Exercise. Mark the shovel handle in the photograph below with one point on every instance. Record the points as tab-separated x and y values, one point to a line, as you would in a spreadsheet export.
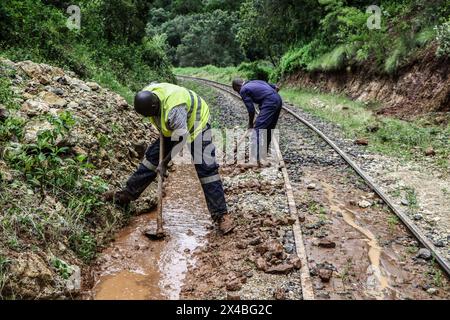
159	220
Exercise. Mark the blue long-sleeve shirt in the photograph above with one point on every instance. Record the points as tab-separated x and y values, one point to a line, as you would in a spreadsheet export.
256	91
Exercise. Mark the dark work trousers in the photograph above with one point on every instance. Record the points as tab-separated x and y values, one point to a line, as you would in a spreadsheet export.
265	123
205	165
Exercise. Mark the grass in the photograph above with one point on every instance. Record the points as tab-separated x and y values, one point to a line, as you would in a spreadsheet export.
411	197
412	249
393	137
393	221
222	75
4	263
63	269
334	60
436	275
53	196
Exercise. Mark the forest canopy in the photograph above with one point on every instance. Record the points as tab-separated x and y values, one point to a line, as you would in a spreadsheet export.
135	40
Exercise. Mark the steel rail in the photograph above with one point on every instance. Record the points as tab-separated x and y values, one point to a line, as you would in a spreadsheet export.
402	216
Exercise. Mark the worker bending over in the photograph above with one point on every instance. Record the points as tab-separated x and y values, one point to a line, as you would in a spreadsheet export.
182	117
270	103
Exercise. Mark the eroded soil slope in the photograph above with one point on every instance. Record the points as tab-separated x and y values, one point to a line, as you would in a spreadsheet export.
63	142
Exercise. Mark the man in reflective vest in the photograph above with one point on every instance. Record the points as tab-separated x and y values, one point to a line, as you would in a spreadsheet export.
182	117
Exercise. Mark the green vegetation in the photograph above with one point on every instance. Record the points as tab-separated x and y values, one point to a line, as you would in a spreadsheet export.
54	172
222	75
393	221
342	38
436	275
47	192
386	135
62	268
443	38
198	38
124	44
111	46
4	262
310	36
411	197
255	70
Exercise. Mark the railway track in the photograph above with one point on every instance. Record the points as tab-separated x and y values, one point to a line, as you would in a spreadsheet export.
289	109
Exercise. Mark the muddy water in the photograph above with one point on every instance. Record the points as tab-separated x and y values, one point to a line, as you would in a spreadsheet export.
135	268
380	283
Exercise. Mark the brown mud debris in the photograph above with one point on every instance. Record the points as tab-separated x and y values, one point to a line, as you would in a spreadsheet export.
325	274
252	260
362	142
327	244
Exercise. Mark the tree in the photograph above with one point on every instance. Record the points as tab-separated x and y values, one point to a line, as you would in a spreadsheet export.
211	41
269	27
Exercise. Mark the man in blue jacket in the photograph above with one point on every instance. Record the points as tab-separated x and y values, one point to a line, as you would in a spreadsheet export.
266	96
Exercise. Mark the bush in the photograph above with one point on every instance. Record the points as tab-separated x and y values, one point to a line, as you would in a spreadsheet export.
343	39
443	38
200	39
255	70
104	49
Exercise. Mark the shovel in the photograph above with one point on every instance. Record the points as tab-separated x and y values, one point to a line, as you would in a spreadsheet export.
158	232
239	144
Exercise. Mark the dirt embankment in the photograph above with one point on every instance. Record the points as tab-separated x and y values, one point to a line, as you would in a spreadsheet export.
52	221
421	87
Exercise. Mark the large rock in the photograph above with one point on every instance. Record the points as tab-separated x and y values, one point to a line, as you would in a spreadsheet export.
284	268
34	108
34	128
93	85
52	99
424	254
32	277
3	113
73	284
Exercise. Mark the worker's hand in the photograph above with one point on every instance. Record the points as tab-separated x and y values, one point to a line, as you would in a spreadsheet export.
162	170
277	88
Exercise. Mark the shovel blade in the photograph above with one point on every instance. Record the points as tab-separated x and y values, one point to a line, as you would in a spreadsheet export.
154	233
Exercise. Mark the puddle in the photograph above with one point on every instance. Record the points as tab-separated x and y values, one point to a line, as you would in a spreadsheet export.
135	268
376	282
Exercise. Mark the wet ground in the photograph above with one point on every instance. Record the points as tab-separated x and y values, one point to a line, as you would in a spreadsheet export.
135	268
258	261
357	248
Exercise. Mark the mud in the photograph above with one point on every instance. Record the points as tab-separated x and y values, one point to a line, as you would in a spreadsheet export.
357	248
374	255
420	88
258	261
135	268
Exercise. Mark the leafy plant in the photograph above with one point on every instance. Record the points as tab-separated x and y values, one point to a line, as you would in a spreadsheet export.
443	38
84	244
63	269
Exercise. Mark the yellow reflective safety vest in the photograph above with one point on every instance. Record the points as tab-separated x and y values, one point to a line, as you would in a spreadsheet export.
172	96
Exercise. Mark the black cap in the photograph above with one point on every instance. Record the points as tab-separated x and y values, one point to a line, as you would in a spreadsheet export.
147	103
